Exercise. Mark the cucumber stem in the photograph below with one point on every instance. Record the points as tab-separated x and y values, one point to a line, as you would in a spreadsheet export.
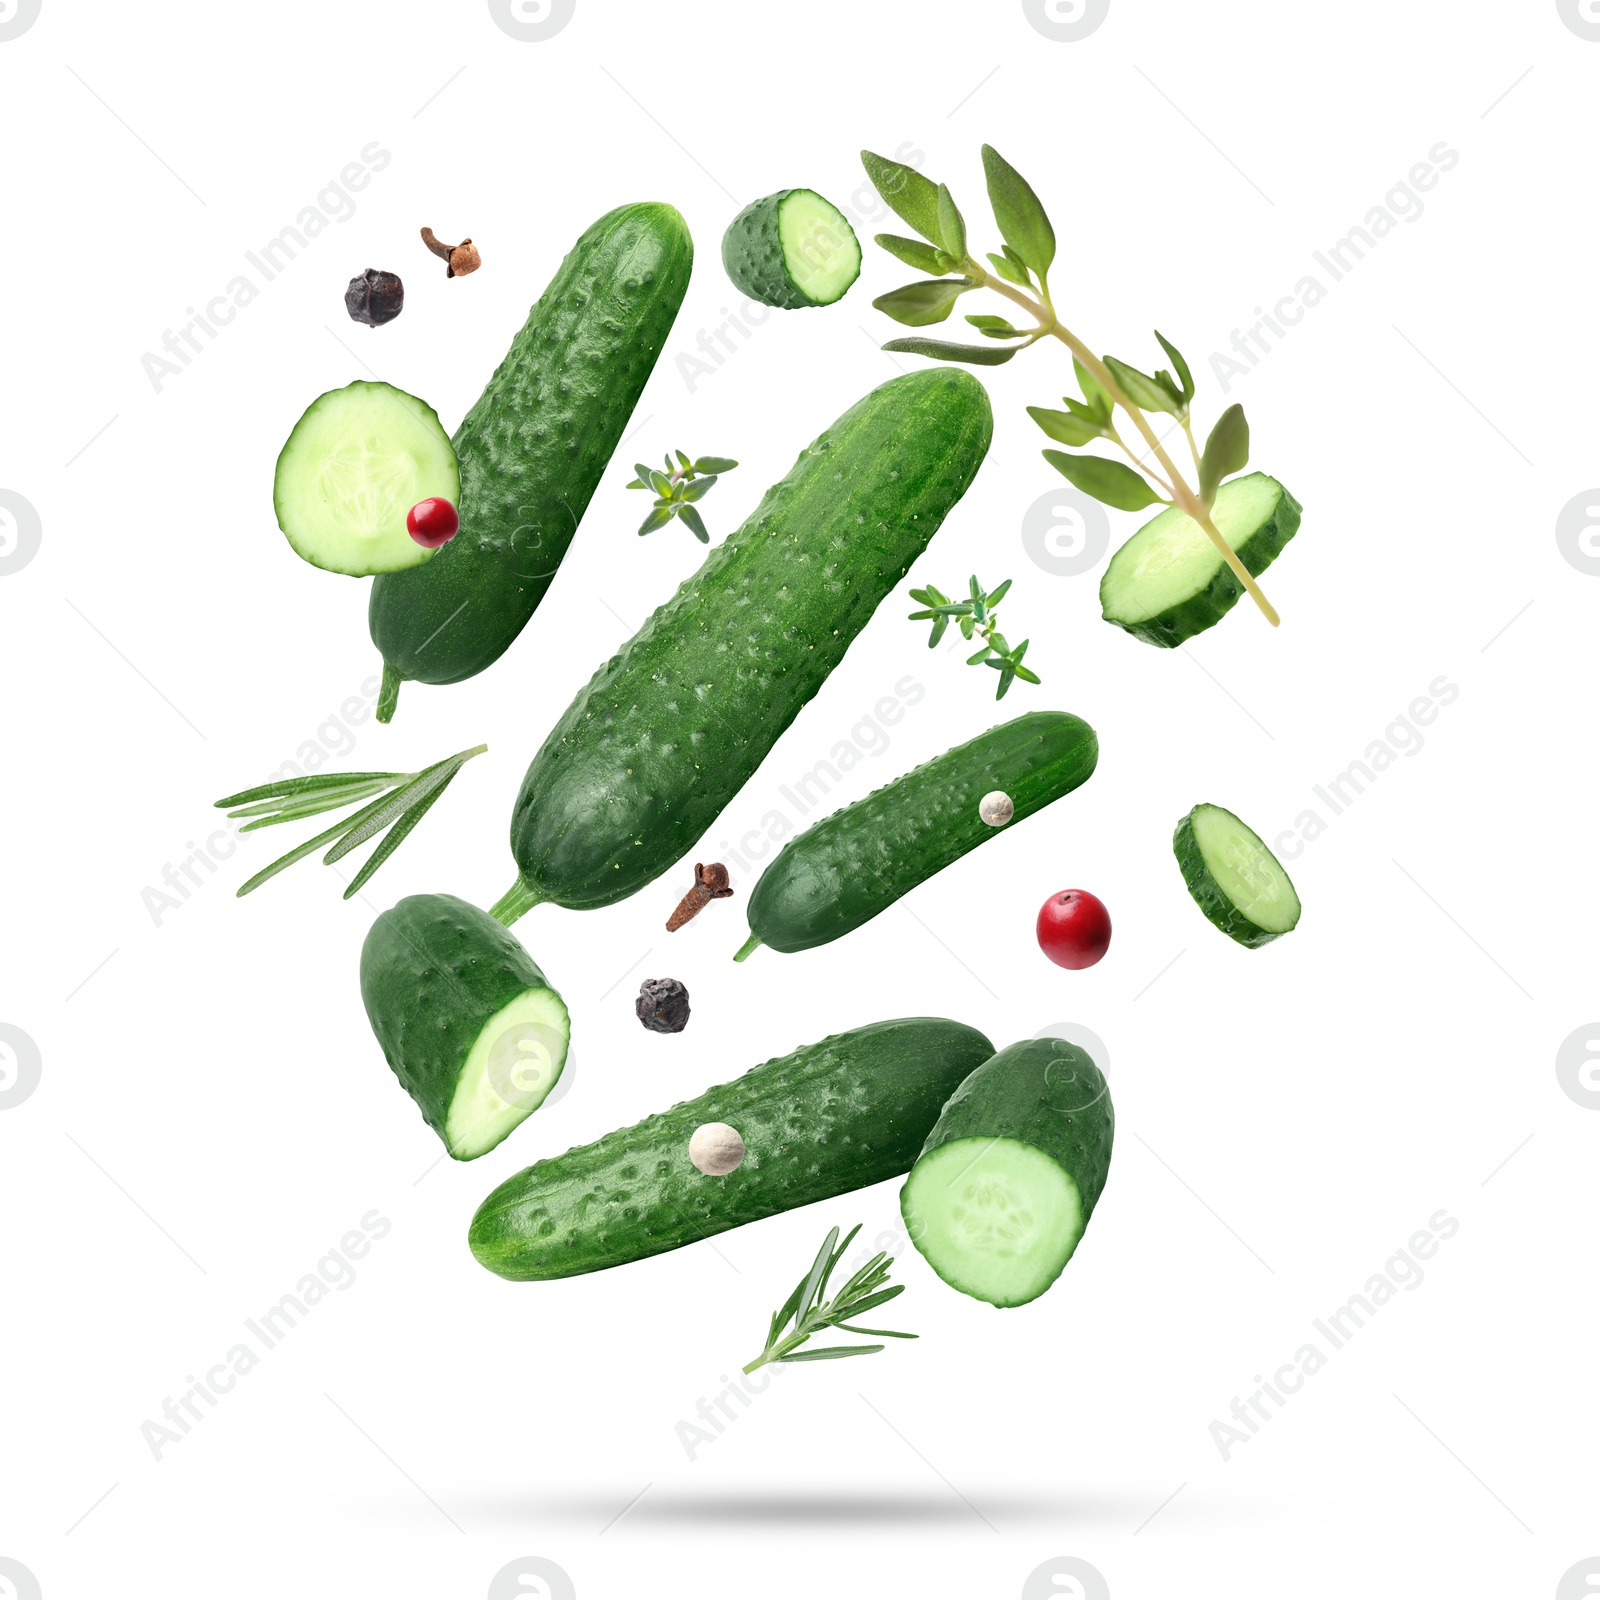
389	693
750	944
516	900
1188	501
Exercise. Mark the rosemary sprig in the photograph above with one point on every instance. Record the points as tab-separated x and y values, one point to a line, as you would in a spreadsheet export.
810	1314
403	800
678	488
976	614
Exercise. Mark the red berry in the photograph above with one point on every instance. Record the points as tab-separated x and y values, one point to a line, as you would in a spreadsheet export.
1074	929
432	523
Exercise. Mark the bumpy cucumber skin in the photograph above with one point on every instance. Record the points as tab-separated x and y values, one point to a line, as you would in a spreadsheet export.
752	255
1169	628
534	446
826	1119
433	971
668	731
1219	910
1025	1092
844	870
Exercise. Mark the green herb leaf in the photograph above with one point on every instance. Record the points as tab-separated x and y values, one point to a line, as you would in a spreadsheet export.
924	257
690	518
287	787
876	1333
1010	272
818	1273
662	484
833	1352
973	355
1065	428
918	304
906	192
716	464
1143	390
1107	481
425	783
299	853
1180	366
988	323
952	226
998	595
1093	391
1227	451
1018	213
683	460
311	805
698	489
392	841
659	517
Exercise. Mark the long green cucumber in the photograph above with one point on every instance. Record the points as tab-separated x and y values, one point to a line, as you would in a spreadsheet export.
667	731
1004	1186
821	1121
844	870
533	447
468	1023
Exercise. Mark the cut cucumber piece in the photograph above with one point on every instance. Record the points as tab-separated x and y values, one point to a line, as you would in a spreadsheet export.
1234	878
468	1023
356	463
1168	583
1007	1180
792	249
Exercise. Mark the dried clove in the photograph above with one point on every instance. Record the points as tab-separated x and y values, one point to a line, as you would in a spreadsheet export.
663	1005
710	883
460	258
375	297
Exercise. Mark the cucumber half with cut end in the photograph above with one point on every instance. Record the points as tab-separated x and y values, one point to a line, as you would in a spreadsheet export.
470	1026
1167	583
1234	878
1011	1172
358	460
792	249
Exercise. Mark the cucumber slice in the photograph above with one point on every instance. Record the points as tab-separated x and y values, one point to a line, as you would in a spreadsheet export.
1167	583
1007	1180
792	249
356	463
467	1022
1235	880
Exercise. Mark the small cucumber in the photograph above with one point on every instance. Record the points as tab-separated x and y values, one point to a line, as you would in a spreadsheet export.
533	448
1011	1172
844	870
357	461
1235	879
1167	583
831	1117
470	1026
667	731
792	249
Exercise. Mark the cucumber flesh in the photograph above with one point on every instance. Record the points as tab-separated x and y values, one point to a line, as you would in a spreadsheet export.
357	461
792	249
998	1218
513	1064
1168	583
1234	878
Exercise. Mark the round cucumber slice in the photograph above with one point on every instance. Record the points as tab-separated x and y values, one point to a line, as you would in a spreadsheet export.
792	249
995	1218
1234	878
356	463
513	1065
1167	583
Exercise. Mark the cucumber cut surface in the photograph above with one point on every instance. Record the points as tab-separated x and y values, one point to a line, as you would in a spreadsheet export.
357	461
792	249
513	1065
998	1218
1234	878
1168	583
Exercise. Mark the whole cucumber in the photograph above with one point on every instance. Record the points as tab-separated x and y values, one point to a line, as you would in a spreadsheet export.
532	450
844	870
667	732
831	1117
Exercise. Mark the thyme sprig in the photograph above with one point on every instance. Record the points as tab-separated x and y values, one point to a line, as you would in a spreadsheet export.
403	799
805	1312
678	488
976	615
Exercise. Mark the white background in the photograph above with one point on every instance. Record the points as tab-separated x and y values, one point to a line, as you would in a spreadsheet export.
213	1114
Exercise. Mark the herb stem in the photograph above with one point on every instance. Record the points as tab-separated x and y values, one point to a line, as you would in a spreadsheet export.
1182	494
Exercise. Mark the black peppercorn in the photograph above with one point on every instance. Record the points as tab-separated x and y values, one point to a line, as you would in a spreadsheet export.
663	1005
375	297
